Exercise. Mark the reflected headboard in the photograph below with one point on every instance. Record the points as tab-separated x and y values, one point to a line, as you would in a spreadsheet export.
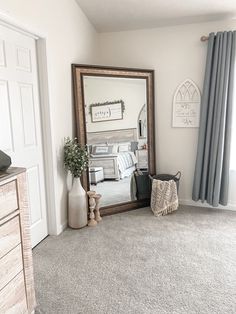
112	136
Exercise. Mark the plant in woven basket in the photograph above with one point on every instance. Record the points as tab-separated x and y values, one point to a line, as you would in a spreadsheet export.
75	157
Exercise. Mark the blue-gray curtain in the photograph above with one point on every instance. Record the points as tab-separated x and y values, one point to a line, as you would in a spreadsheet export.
211	178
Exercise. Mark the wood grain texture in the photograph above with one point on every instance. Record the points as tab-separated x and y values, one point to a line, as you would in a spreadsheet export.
12	297
142	157
16	270
9	173
112	136
9	236
26	241
9	217
10	266
124	207
78	72
109	165
8	198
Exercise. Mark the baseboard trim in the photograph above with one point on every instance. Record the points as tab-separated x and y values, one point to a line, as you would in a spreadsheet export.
188	202
62	227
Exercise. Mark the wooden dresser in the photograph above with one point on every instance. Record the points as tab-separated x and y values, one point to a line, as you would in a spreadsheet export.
17	294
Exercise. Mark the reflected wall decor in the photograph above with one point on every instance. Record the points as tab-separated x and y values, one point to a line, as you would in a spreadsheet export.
107	111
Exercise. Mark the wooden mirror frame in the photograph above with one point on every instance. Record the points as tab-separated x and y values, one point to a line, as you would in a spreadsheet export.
80	70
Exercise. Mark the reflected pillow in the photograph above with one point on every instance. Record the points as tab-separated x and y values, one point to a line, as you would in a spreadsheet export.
124	147
114	147
102	150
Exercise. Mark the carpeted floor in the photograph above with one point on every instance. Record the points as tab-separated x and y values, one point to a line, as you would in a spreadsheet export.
113	191
183	263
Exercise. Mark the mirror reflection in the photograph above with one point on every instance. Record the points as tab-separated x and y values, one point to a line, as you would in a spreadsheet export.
116	126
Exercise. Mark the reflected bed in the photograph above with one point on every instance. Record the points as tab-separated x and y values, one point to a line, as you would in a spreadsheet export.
115	166
113	151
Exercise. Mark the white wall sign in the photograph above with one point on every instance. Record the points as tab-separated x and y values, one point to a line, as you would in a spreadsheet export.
186	105
107	111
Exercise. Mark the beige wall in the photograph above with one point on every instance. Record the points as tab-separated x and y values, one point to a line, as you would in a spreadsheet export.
70	38
131	91
175	53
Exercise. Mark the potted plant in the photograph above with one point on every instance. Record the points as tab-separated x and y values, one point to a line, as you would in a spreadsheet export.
76	162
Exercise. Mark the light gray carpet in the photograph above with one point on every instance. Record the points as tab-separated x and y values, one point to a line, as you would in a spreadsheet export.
183	263
113	191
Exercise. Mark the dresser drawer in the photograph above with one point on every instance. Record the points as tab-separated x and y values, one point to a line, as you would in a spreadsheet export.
8	198
12	297
10	266
9	236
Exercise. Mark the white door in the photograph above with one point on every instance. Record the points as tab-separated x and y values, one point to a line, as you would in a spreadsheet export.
20	123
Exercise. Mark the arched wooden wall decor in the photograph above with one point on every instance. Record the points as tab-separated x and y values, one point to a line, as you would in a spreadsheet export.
186	105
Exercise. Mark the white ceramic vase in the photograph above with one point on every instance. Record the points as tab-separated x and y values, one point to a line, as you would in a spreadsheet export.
77	201
69	180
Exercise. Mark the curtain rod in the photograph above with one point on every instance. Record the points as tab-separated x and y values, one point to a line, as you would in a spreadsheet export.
204	38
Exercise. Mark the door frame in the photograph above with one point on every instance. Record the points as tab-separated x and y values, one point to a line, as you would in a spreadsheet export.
45	115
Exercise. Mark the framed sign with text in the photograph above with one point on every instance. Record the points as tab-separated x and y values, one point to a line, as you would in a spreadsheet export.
186	105
107	111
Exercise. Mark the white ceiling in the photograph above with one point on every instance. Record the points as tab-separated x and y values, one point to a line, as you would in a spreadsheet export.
118	15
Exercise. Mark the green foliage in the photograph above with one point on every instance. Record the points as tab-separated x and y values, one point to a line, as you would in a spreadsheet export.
75	157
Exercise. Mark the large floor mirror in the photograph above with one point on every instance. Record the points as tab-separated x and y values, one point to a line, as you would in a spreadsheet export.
115	117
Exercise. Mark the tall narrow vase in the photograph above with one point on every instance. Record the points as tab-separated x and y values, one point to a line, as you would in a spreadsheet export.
77	211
